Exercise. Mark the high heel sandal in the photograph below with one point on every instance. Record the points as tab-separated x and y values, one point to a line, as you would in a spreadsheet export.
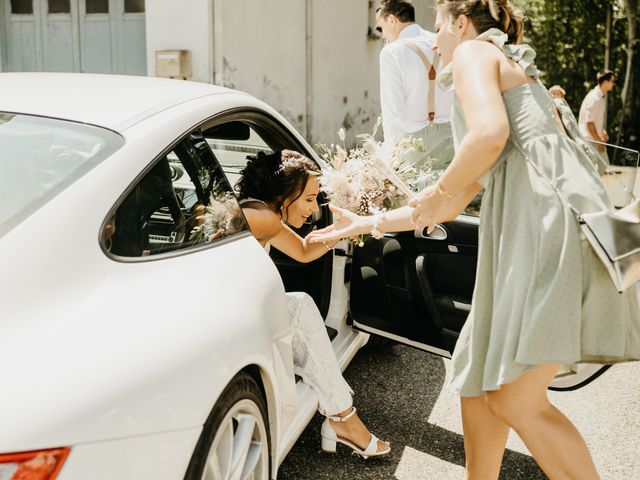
330	439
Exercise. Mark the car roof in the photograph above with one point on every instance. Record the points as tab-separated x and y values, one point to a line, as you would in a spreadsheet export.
111	101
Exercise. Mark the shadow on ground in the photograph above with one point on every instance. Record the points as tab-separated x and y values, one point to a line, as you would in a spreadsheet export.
395	391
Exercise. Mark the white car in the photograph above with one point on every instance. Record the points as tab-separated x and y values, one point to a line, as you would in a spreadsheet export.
144	332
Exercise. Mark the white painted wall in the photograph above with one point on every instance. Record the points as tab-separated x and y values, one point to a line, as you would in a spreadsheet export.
183	25
260	47
345	70
425	13
264	53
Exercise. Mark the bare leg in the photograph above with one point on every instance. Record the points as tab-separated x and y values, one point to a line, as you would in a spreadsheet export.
552	439
485	437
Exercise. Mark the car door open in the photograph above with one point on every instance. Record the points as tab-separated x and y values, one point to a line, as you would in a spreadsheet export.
416	289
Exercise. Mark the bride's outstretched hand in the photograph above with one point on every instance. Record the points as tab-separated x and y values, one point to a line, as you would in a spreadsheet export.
345	224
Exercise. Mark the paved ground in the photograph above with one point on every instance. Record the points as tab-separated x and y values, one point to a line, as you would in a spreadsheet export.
399	393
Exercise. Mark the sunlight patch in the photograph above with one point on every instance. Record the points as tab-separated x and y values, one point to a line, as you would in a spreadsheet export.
417	465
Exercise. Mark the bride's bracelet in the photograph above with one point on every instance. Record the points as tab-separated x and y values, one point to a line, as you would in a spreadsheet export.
375	231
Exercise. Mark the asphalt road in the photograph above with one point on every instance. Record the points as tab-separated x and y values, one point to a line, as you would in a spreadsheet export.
400	396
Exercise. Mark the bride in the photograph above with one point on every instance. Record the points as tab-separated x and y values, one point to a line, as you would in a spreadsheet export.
277	190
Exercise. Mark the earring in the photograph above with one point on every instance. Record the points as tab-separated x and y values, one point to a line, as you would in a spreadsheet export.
282	219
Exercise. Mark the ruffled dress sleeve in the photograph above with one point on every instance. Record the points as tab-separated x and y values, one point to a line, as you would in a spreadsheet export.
522	54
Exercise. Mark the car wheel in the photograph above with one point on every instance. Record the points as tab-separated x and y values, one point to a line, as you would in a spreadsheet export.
235	438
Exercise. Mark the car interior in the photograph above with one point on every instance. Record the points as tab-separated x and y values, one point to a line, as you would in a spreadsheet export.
178	203
186	199
244	134
416	287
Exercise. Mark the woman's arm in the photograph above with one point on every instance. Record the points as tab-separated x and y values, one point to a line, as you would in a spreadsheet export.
476	75
266	226
298	248
348	224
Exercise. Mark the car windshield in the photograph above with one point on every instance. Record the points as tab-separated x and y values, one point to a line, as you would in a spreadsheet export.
40	157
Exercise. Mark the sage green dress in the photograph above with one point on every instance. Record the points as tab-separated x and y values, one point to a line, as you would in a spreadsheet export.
541	295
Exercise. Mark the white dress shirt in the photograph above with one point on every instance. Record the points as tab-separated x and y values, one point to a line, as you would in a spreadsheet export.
404	87
592	110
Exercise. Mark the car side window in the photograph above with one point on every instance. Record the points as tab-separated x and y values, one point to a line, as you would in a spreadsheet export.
243	135
231	143
183	201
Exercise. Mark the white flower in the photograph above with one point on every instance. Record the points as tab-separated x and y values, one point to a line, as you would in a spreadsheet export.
369	178
341	156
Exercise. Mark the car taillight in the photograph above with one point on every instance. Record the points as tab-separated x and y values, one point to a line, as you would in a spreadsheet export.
37	465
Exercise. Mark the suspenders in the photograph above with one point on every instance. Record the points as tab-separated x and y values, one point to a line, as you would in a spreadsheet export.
431	72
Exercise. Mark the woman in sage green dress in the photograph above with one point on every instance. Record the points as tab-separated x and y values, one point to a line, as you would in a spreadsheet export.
542	298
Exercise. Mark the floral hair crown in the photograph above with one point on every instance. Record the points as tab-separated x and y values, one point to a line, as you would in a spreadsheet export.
290	160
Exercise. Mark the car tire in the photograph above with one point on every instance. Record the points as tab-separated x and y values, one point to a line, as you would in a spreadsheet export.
235	438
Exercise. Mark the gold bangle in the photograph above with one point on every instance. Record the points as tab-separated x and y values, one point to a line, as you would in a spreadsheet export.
442	191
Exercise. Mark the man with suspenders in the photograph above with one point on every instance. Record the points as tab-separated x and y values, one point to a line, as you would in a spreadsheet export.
412	104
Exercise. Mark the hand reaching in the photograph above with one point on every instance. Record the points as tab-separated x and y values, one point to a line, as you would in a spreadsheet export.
346	224
430	208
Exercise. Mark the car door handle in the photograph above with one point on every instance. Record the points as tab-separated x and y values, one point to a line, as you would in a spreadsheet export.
438	233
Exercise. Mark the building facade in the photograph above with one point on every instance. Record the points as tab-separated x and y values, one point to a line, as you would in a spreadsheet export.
315	61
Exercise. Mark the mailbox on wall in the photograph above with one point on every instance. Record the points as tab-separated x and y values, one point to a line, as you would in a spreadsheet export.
173	63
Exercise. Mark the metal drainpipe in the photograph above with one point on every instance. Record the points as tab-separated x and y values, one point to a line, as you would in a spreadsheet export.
309	69
4	35
217	52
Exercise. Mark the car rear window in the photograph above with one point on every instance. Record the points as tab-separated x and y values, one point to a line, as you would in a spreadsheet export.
40	157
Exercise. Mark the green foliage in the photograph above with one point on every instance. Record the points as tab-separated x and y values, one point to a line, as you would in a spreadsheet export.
569	38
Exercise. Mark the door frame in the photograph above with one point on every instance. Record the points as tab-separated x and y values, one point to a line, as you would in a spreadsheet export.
420	235
405	341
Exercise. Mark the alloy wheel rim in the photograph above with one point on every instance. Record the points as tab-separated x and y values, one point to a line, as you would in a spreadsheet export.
240	449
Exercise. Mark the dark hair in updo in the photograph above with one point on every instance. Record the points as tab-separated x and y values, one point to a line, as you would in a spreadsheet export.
274	177
486	14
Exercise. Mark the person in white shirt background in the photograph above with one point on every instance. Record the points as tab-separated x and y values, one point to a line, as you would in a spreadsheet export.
412	104
570	124
591	120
